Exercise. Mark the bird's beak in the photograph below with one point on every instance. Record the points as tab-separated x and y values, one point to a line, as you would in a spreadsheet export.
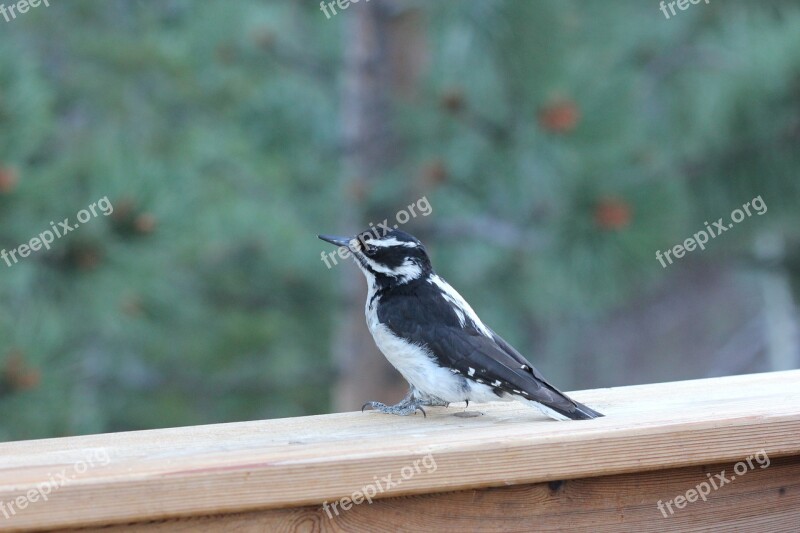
338	241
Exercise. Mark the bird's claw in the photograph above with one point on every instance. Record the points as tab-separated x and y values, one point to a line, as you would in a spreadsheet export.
402	408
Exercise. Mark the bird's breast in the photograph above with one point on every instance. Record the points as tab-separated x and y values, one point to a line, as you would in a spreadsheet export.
416	363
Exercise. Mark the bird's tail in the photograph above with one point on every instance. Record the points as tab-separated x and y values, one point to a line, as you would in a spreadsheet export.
583	412
565	410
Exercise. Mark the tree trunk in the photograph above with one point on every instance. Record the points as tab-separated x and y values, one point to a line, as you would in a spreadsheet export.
364	374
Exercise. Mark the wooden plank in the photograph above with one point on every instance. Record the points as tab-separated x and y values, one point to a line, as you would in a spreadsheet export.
304	461
765	499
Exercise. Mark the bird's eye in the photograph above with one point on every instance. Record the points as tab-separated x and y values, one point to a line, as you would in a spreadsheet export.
364	242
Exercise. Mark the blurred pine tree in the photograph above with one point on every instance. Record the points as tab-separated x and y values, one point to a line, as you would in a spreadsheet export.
560	143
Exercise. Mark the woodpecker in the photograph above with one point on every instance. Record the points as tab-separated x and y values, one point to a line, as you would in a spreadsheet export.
431	335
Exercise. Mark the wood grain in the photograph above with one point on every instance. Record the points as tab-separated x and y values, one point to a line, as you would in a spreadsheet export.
763	500
230	468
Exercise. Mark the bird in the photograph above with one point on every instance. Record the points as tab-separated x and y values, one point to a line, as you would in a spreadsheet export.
432	336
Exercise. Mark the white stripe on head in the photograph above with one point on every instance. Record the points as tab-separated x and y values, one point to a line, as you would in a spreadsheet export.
385	243
408	271
357	243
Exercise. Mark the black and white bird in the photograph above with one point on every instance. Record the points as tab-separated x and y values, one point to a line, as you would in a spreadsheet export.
431	335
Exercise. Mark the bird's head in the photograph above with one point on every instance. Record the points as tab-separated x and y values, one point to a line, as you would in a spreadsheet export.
392	258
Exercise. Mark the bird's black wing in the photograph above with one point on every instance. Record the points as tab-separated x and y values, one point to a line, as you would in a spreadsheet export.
430	321
503	370
527	367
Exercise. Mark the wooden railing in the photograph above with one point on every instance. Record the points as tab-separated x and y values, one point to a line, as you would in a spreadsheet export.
644	467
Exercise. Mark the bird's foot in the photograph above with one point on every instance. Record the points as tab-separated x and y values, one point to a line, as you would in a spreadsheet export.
403	408
432	401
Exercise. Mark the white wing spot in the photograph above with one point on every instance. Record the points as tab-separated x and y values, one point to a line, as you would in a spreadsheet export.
455	371
460	314
471	371
496	383
452	296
